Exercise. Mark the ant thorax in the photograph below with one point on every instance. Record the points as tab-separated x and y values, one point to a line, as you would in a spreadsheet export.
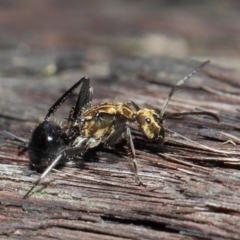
101	120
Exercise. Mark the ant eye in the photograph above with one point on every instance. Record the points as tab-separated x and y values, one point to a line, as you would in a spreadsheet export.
148	120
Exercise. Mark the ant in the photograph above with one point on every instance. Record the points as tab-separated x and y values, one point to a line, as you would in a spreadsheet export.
88	126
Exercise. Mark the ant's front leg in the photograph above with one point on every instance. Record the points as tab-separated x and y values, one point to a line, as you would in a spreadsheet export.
112	139
133	157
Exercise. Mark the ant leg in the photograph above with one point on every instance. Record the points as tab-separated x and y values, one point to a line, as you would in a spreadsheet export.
84	101
23	147
89	100
133	157
93	142
67	152
84	97
83	146
63	98
116	134
49	168
15	137
133	105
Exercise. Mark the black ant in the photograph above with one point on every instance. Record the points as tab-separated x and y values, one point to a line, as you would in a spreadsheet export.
89	126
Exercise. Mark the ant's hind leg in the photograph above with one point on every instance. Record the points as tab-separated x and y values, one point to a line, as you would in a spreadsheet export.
49	168
64	97
89	99
84	97
84	101
66	153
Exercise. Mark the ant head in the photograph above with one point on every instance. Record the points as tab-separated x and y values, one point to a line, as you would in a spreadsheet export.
150	125
47	141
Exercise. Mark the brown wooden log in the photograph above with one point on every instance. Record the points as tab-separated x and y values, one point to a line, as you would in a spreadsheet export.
193	186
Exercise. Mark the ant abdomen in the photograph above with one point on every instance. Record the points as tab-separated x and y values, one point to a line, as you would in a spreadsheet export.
47	141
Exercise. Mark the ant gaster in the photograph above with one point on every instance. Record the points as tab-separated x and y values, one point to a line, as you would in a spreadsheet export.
88	126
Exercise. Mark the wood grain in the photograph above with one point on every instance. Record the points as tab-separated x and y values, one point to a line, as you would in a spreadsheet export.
193	186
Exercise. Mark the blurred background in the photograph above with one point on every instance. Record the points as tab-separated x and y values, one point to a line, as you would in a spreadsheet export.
105	30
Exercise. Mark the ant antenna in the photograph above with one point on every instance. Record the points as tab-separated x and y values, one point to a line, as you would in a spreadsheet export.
175	88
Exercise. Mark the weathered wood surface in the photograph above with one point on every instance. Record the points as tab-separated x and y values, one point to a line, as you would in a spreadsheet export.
193	190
